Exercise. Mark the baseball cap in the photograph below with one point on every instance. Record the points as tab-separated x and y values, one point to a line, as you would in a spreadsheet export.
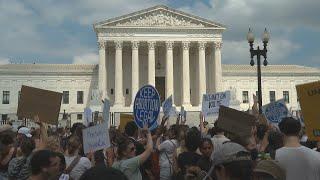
230	152
272	168
25	131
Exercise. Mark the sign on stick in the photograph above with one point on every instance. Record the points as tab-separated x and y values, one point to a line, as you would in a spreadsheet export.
46	104
275	111
309	99
167	106
146	107
95	138
212	102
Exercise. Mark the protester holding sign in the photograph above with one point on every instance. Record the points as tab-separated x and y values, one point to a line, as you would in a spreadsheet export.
128	162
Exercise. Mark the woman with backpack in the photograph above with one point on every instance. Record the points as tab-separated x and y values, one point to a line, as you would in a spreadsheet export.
167	150
76	165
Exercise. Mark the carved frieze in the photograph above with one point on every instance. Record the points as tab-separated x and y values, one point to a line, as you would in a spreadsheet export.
160	19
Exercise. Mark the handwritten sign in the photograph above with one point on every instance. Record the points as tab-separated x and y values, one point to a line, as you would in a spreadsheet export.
275	111
95	138
167	106
212	102
87	116
309	99
34	101
146	106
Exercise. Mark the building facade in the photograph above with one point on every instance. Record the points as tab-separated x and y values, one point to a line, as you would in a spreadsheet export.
178	53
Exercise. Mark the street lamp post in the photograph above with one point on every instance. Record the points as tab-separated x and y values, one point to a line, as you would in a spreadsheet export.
259	52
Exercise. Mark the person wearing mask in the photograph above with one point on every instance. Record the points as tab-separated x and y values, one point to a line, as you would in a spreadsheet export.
128	162
299	161
167	151
76	165
206	149
44	165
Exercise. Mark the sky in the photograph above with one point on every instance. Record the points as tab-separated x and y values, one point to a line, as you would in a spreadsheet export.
61	31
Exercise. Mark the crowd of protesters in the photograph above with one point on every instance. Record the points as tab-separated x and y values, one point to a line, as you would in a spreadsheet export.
168	152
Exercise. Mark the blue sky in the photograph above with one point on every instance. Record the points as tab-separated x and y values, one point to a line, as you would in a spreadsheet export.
60	31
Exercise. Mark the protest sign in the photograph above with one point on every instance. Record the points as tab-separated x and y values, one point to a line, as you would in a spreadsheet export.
235	122
212	102
167	106
46	104
146	106
95	138
124	119
275	111
87	116
106	111
309	99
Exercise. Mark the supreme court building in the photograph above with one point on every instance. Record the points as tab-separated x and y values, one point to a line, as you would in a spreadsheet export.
178	53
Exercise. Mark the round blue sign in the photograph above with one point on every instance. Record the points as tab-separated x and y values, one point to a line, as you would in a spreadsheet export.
275	112
146	107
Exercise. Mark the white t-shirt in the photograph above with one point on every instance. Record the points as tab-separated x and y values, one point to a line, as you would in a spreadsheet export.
83	165
299	163
167	149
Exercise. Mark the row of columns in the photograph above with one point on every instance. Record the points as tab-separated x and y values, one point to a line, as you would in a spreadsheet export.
151	70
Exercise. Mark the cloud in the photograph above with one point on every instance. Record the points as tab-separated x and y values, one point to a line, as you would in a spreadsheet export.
4	60
89	58
237	52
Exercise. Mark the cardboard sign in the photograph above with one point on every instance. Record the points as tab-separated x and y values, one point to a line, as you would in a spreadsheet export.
275	111
95	138
124	119
212	102
87	116
236	122
106	111
167	107
146	106
309	99
46	104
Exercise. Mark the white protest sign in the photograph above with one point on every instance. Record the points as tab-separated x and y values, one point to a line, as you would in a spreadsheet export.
95	138
275	111
106	111
87	116
167	106
211	102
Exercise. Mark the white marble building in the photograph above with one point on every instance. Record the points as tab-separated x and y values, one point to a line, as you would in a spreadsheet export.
177	52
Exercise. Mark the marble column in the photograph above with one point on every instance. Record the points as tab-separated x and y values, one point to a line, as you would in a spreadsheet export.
202	70
135	70
169	69
151	63
185	75
118	100
217	67
102	69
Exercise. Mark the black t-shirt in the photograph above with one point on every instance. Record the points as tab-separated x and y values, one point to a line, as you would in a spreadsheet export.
204	163
186	159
